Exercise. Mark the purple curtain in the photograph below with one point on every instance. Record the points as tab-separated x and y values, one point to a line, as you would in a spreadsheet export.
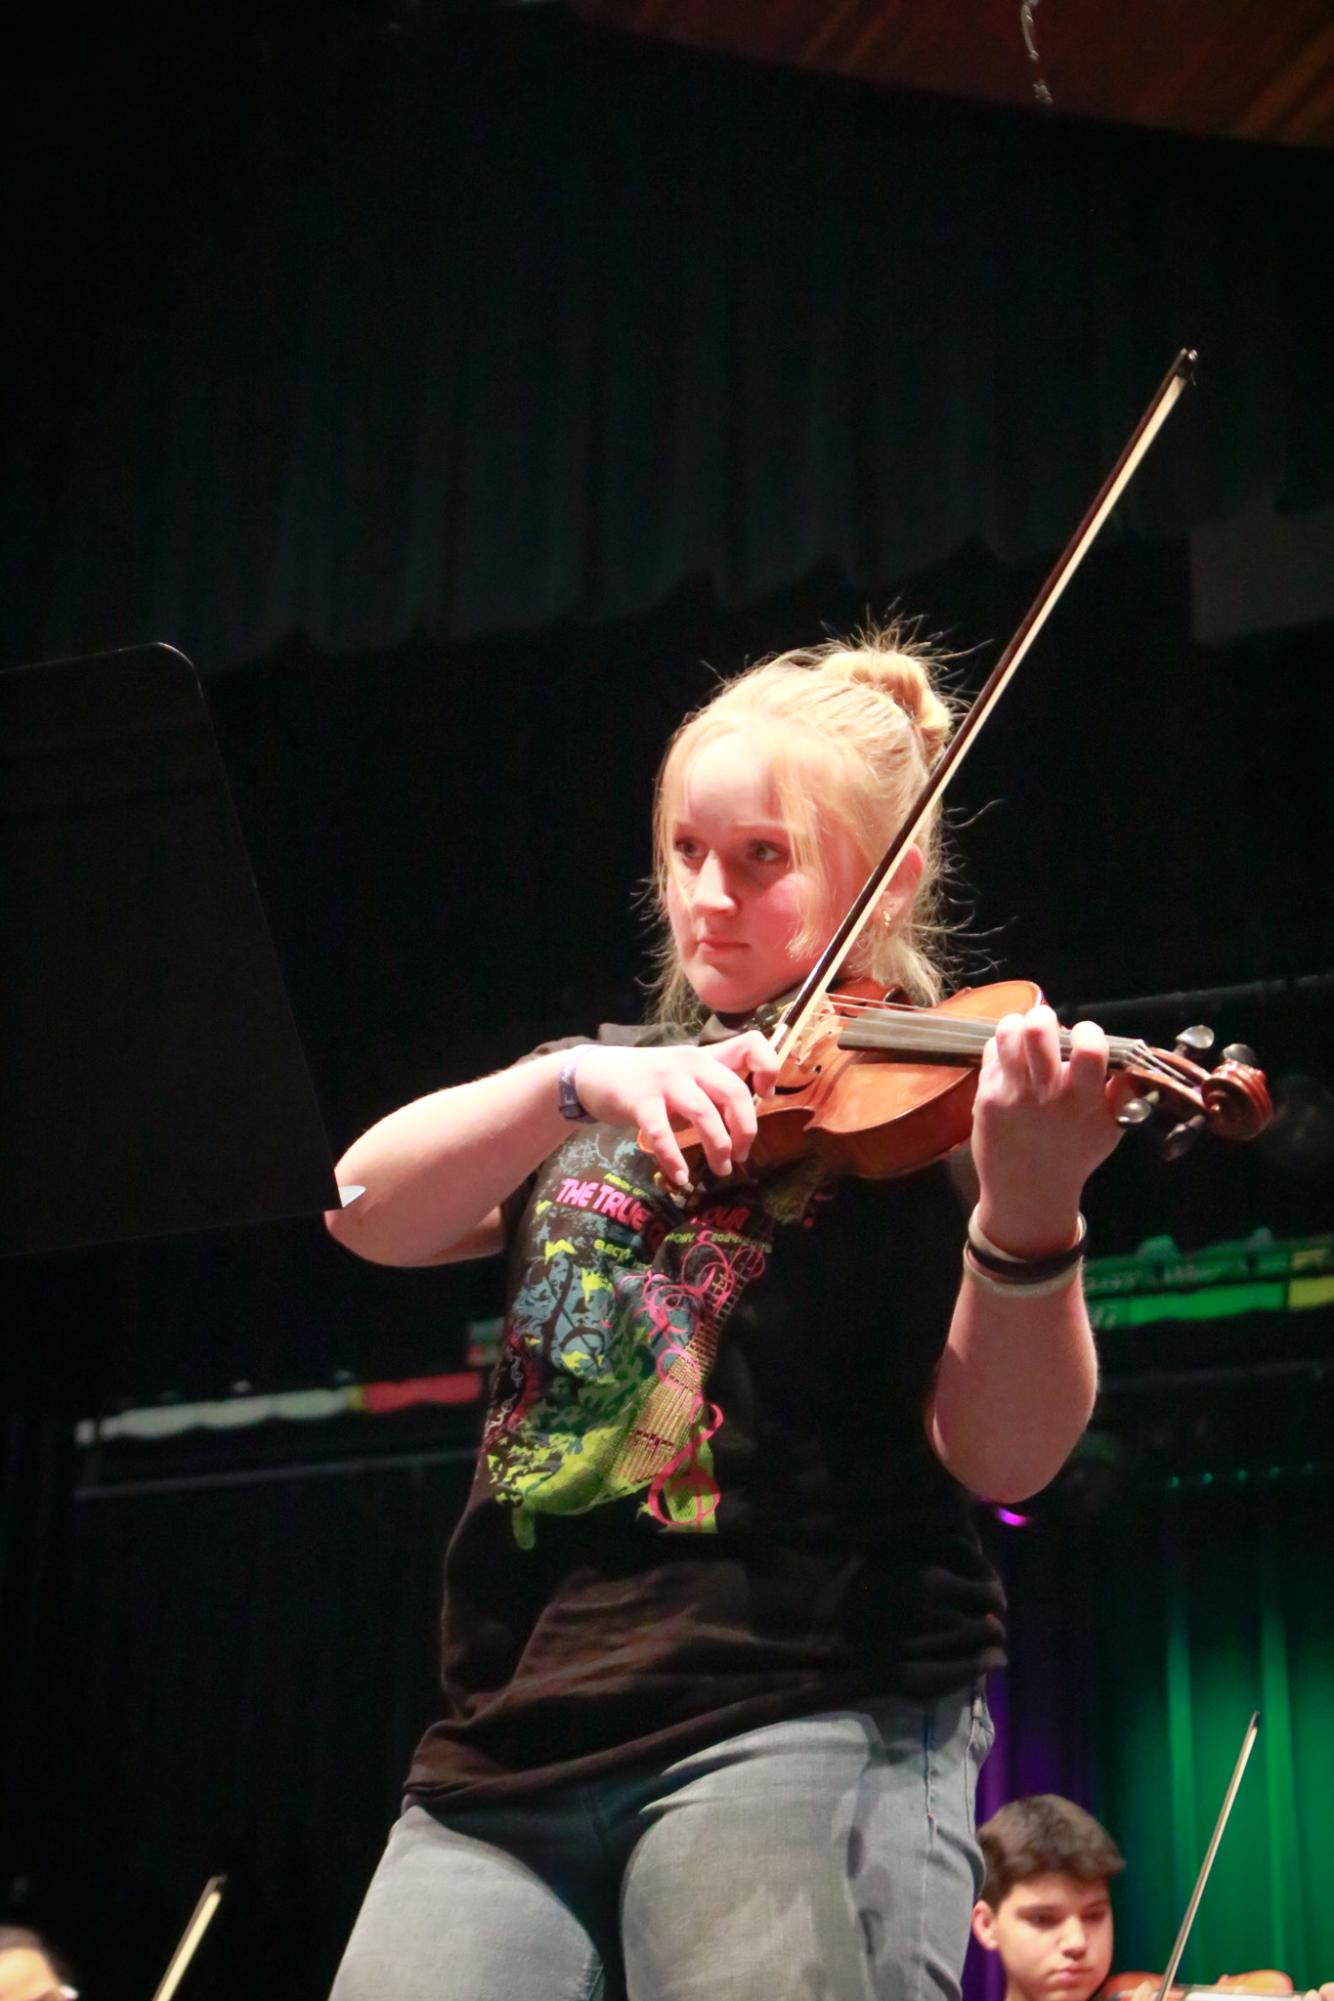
1040	1702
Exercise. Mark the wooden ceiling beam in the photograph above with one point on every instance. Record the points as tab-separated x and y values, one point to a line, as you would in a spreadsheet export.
1254	69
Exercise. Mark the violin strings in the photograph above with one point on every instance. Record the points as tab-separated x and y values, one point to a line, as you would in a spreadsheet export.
905	1029
968	1036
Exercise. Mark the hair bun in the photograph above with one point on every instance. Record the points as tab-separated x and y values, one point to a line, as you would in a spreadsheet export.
879	661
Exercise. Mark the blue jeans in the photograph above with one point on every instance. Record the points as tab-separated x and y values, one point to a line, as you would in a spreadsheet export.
831	1858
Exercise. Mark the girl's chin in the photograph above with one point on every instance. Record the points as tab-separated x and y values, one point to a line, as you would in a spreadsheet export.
723	994
736	995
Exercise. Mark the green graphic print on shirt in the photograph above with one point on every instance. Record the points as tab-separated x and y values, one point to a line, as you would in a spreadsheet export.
601	1390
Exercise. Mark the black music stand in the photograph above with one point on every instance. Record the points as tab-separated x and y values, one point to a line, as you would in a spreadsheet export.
151	1077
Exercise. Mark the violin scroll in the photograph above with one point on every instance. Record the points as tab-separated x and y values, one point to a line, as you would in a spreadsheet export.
1231	1101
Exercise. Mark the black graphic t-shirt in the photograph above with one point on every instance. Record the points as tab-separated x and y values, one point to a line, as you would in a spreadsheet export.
705	1499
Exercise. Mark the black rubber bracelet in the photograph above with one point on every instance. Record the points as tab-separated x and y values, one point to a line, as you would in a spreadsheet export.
1023	1271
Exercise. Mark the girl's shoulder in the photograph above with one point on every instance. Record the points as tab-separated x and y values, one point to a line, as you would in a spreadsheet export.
618	1034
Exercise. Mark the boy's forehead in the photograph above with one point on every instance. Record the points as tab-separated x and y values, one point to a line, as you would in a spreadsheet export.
1070	1892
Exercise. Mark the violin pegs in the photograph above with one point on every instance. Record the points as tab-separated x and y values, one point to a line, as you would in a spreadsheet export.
1135	1110
1241	1052
1195	1042
1182	1137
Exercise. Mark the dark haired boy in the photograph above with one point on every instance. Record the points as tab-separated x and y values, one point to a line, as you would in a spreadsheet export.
1045	1905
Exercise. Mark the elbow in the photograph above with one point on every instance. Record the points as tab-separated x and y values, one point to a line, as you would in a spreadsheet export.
1009	1486
336	1223
347	1225
1013	1468
1006	1485
1022	1474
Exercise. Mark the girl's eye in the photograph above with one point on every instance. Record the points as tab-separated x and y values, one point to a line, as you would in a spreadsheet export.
685	847
766	851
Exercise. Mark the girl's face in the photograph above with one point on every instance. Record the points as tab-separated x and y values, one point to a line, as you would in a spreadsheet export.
736	899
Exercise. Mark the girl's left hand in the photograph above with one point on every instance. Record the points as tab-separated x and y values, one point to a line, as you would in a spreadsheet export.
1041	1124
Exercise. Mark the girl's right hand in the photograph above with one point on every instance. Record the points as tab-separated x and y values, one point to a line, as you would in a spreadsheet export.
704	1088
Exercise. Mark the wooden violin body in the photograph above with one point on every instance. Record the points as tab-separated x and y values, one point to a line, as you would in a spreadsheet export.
1265	1980
874	1113
875	1089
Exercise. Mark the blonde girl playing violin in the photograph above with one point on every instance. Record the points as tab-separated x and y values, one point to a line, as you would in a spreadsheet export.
716	1618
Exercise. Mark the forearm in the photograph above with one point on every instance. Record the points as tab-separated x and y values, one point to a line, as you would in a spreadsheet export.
435	1171
1014	1390
438	1167
1019	1374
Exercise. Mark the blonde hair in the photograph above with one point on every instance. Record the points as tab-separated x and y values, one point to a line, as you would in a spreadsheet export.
867	713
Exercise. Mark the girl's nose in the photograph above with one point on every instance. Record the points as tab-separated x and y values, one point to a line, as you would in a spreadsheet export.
712	890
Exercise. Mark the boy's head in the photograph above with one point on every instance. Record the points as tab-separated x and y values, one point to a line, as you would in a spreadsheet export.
1044	1905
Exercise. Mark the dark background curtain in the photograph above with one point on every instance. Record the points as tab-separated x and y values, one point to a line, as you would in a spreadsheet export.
358	335
473	399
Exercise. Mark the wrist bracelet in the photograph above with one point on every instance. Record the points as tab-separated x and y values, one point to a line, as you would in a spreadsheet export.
1007	1269
1017	1288
567	1094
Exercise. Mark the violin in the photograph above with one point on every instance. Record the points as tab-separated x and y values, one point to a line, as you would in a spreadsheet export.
877	1089
1264	1980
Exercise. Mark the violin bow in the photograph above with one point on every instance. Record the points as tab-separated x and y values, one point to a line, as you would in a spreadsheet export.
1243	1757
817	981
188	1944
